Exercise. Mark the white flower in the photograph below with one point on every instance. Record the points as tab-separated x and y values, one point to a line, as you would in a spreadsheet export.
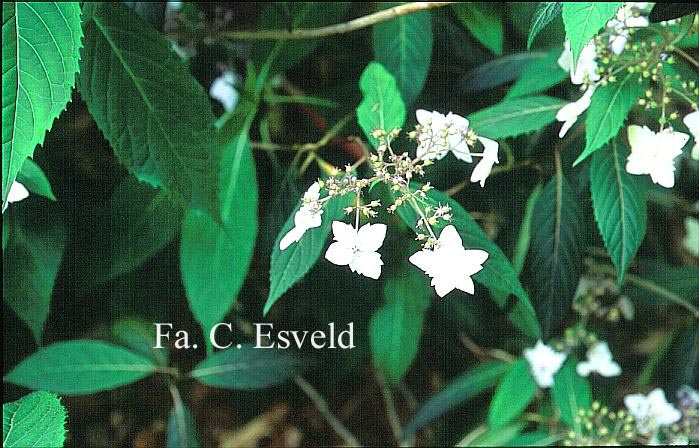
586	66
569	113
628	16
450	265
652	411
357	248
653	153
490	157
692	122
599	359
223	90
439	134
307	217
18	192
544	362
691	239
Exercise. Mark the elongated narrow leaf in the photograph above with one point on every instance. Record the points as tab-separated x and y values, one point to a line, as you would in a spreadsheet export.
618	199
554	253
289	266
516	116
608	110
31	263
36	420
181	428
570	392
80	367
130	78
544	14
404	47
247	367
396	327
583	20
32	177
499	71
139	336
382	106
484	22
538	75
40	52
497	273
455	393
512	396
496	436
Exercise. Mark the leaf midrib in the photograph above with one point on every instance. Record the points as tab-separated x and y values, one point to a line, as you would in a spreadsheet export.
520	113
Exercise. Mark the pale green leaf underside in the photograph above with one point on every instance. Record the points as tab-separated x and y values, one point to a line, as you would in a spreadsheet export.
516	116
36	420
40	52
544	14
583	20
382	106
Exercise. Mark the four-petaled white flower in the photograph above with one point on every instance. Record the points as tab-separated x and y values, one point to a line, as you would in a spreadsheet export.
692	122
569	113
18	192
223	89
450	265
653	153
307	217
628	16
439	134
651	411
544	362
357	248
586	66
599	359
490	157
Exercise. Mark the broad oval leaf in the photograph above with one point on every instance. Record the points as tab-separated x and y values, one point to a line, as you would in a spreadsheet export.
538	75
247	367
129	77
570	393
543	15
382	106
512	396
40	53
404	47
36	420
619	202
139	336
396	327
516	116
583	20
484	22
79	367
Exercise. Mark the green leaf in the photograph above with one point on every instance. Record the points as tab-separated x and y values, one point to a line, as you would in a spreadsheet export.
544	14
656	279
214	258
463	388
32	177
139	336
570	392
525	231
500	436
497	273
608	110
396	327
535	439
79	367
498	71
583	20
516	116
247	367
181	428
538	76
35	420
31	262
484	22
382	106
619	202
40	52
289	266
129	77
512	396
554	253
404	47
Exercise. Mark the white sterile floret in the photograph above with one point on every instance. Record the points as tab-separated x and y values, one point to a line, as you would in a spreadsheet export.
357	248
485	166
599	359
691	238
692	122
307	217
651	411
18	192
223	90
438	134
586	66
653	153
569	113
544	362
450	265
630	15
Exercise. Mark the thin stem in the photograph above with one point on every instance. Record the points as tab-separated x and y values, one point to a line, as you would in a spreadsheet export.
323	408
689	59
485	353
356	219
391	413
180	417
340	28
306	147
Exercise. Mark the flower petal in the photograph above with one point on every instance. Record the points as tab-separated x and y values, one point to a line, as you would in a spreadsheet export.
344	233
450	237
422	259
370	237
367	264
339	254
292	236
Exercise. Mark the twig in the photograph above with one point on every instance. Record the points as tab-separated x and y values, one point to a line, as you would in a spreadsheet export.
340	28
485	353
306	147
689	59
323	408
391	413
180	418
